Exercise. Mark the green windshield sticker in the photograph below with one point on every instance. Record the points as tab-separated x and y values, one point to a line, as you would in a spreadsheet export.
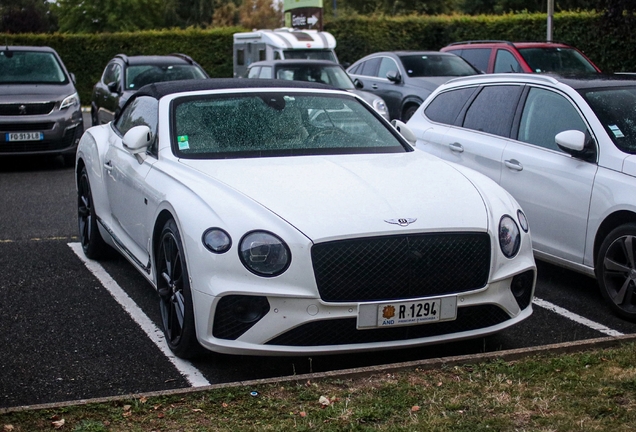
183	142
616	131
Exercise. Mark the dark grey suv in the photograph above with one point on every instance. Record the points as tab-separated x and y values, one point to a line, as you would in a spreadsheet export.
40	110
124	75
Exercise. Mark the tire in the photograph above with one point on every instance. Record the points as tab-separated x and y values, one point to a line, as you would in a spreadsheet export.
175	296
616	270
92	242
408	112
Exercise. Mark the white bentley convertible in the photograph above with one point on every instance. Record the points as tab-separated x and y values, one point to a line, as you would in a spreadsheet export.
290	218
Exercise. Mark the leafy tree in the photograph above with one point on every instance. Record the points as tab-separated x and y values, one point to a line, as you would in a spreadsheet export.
261	14
26	16
94	16
226	14
186	13
399	7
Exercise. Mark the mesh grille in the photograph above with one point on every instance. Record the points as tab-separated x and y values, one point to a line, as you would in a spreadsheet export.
228	322
18	109
344	332
401	267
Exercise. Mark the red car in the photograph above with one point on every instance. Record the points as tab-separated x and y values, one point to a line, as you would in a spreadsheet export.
492	56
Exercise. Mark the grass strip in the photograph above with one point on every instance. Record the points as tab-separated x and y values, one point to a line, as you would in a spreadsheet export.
591	391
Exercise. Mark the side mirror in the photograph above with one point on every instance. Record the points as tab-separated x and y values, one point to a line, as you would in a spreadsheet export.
137	139
572	140
358	84
577	144
404	131
393	76
73	77
113	87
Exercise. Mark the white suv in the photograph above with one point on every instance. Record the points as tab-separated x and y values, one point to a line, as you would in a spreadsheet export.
565	148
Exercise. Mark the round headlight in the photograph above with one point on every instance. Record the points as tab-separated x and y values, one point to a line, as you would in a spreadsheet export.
264	253
522	220
509	236
216	240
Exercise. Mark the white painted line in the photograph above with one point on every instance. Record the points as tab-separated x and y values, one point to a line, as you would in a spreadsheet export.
192	374
576	318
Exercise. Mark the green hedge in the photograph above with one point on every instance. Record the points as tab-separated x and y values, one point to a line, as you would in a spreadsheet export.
611	48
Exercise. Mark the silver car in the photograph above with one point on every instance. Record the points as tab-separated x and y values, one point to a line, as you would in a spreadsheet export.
565	148
40	110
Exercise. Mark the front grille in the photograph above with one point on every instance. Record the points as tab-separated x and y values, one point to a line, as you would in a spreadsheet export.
18	109
40	146
344	331
26	127
401	267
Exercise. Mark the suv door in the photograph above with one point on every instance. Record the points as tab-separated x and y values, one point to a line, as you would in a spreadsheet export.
372	75
108	92
553	188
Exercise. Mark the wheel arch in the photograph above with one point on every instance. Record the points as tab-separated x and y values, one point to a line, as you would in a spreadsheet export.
161	220
611	222
408	103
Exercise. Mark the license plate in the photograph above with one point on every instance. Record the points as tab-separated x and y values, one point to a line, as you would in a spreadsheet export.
24	136
408	313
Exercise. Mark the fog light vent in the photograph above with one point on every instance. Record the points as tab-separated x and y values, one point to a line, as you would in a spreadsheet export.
236	314
521	288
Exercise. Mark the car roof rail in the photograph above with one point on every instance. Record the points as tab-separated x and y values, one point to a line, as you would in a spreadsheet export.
469	42
538	78
124	57
183	56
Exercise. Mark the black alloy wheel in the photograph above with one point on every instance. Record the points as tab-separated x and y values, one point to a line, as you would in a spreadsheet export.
92	242
616	270
175	297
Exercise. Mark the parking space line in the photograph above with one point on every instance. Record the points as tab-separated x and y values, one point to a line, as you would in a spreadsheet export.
190	373
576	318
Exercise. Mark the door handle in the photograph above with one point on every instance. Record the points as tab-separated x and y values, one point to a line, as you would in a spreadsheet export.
374	86
108	166
513	164
456	147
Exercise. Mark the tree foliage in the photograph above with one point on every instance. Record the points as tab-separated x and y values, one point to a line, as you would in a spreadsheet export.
26	16
261	14
97	16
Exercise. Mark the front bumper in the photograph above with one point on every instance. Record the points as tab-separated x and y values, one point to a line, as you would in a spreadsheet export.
61	132
295	326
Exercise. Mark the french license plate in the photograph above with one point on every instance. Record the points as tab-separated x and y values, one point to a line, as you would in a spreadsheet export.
408	313
24	136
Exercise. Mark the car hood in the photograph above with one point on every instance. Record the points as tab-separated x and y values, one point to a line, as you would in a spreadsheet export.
330	197
21	93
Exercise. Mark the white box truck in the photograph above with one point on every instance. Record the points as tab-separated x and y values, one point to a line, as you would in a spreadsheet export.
282	43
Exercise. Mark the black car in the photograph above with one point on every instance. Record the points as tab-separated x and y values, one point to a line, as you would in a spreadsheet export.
320	71
124	75
405	78
40	110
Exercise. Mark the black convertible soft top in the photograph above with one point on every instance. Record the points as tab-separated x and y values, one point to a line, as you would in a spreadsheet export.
161	89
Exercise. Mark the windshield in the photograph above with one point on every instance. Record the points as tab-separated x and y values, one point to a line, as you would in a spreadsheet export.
30	67
556	60
430	65
310	54
616	109
277	124
333	75
139	76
